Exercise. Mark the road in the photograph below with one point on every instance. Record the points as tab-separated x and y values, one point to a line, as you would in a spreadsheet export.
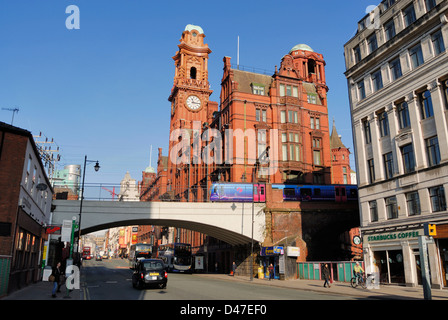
111	280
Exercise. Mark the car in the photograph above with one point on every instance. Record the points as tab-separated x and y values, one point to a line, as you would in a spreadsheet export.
89	257
150	272
105	256
98	258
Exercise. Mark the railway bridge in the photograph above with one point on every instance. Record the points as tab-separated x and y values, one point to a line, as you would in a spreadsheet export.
230	221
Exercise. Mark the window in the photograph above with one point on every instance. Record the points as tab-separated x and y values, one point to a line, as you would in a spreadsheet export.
292	117
261	143
426	105
403	115
285	152
316	157
193	73
295	91
395	69
389	29
430	4
409	15
445	92
317	145
361	90
373	211
357	54
388	165
260	115
312	98
377	80
283	116
407	153
315	123
387	4
391	207
371	169
432	151
372	43
288	91
367	135
257	89
437	42
384	124
413	203
437	195
416	56
282	90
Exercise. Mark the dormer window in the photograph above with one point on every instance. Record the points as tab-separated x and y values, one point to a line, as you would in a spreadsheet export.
257	89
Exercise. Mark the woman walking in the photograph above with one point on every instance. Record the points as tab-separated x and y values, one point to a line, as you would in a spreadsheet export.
326	276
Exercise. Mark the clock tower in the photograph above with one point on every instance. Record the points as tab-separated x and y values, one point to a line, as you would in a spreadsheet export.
191	112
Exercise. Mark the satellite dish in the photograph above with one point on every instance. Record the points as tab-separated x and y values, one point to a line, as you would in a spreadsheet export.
41	187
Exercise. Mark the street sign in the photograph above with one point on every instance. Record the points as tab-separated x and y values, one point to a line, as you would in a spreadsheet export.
430	230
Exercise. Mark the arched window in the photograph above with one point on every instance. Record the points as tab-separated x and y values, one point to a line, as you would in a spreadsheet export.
193	73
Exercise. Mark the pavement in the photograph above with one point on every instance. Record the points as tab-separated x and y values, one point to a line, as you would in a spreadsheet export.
42	290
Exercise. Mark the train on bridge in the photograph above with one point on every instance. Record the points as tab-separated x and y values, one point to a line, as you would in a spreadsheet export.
256	192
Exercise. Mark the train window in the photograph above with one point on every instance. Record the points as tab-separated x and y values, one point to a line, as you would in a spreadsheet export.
261	190
342	191
353	193
289	192
305	192
317	191
337	191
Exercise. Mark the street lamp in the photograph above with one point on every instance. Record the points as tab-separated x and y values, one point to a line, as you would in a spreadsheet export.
96	167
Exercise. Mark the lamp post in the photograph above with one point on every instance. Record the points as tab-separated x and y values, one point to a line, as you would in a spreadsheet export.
96	167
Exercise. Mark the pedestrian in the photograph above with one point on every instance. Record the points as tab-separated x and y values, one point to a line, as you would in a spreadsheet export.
56	273
233	268
271	272
326	275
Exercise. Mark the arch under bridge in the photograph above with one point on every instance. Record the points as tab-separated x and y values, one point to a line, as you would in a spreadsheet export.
230	221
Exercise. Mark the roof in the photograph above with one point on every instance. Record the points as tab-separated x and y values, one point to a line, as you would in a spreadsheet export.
301	46
190	27
335	139
246	79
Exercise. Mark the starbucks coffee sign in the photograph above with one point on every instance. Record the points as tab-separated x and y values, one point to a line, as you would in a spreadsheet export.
400	235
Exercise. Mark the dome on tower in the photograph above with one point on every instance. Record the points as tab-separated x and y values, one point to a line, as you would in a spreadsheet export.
301	47
190	27
150	170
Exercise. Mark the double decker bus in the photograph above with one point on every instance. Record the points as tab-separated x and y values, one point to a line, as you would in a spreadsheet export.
86	254
176	256
139	251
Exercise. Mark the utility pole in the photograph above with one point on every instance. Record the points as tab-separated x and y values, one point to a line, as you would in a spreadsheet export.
46	152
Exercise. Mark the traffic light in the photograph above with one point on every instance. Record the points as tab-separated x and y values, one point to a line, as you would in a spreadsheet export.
430	230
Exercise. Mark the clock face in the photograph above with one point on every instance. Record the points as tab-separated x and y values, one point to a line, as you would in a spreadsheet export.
356	239
193	103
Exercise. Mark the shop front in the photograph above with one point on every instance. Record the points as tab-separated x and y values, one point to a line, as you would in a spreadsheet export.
395	255
272	255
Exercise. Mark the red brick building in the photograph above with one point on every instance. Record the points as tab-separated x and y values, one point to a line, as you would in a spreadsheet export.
25	205
266	128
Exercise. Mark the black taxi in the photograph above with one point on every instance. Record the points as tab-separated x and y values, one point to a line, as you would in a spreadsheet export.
149	272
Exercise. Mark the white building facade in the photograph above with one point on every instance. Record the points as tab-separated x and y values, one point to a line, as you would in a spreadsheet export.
397	74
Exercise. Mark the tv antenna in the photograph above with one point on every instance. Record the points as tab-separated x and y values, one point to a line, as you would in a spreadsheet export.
13	112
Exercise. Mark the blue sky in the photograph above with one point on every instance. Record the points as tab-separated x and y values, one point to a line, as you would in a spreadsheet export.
102	90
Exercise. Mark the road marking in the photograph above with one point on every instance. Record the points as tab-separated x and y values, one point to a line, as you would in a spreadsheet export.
111	281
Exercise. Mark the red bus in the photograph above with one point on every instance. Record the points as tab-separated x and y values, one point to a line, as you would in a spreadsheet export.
86	253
